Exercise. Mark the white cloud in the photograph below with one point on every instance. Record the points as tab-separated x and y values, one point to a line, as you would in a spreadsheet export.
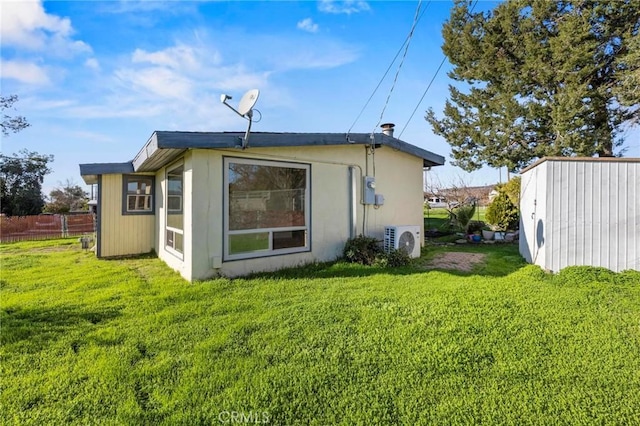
289	55
137	6
159	81
43	104
177	57
308	25
25	72
180	83
92	63
26	25
178	86
179	71
347	6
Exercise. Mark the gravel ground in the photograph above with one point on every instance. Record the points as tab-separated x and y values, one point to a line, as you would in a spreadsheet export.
456	260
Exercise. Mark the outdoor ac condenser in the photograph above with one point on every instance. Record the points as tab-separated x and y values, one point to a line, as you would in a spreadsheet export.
405	237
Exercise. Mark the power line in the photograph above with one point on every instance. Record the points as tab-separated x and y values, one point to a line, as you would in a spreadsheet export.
430	83
423	95
406	40
395	79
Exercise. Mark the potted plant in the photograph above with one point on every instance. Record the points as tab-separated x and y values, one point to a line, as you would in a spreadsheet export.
487	233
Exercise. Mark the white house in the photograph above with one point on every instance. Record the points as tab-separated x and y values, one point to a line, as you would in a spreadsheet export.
208	207
581	211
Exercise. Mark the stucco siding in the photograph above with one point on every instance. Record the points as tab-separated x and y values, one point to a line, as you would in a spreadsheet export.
592	215
122	234
180	262
398	178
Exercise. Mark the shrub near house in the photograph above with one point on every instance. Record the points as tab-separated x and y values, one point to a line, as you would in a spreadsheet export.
503	212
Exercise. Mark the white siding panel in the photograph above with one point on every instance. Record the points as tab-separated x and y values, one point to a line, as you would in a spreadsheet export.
633	192
533	193
592	215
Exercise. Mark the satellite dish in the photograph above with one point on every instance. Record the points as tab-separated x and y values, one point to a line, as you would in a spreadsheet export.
244	110
248	101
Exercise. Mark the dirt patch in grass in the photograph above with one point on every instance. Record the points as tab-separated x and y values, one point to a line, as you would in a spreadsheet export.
56	249
456	260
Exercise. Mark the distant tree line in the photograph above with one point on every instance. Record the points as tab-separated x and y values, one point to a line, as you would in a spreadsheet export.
22	175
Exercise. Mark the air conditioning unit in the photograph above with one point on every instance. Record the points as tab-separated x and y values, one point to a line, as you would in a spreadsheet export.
405	237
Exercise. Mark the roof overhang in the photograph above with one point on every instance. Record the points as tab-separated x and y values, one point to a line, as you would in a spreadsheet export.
90	172
164	147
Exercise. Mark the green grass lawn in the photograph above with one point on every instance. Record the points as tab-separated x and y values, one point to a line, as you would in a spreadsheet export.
439	218
87	341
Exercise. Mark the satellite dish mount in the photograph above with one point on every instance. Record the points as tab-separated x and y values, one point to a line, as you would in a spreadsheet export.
245	110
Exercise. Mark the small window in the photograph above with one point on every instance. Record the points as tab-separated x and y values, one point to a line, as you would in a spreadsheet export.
137	196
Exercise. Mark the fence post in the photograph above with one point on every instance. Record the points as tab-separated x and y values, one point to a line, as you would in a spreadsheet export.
64	226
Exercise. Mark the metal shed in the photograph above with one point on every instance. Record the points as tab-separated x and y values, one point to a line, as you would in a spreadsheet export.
581	211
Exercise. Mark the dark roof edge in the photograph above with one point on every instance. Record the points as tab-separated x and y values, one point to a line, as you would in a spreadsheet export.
213	140
106	168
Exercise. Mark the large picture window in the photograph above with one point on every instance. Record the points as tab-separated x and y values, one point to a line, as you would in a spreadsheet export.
173	203
267	208
137	194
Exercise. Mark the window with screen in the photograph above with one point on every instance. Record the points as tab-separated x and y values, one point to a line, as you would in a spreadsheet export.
267	208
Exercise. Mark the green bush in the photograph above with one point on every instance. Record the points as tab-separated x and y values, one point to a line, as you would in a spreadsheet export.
512	189
367	251
362	250
393	259
475	226
503	213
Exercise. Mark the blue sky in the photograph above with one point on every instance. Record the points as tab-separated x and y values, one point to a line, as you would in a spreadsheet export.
95	79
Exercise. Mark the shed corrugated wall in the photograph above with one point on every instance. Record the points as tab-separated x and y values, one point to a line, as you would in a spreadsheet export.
592	215
533	210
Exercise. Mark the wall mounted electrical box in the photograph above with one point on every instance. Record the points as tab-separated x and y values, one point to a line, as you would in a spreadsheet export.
379	200
368	190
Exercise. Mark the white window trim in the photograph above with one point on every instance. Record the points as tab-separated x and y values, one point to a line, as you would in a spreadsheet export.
270	251
168	248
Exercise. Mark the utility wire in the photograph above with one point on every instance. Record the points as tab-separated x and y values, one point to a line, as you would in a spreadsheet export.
422	98
385	73
395	79
430	83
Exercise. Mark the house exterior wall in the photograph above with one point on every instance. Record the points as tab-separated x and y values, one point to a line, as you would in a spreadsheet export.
398	178
592	215
121	235
179	262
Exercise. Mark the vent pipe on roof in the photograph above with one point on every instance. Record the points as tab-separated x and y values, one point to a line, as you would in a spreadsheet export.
387	129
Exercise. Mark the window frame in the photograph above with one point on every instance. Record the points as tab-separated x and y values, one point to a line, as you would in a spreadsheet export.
167	229
270	251
125	194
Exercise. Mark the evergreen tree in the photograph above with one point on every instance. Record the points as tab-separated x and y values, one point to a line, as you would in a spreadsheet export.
541	75
502	213
628	91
